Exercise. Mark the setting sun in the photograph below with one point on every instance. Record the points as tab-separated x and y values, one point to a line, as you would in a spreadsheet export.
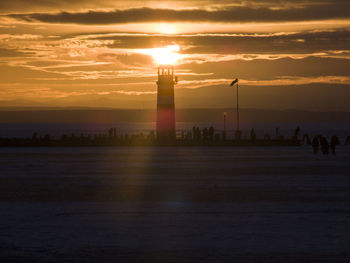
165	55
166	28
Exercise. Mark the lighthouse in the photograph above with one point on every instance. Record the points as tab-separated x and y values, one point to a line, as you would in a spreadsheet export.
166	130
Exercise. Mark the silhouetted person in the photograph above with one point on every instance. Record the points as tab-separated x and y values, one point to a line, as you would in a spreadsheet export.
347	141
296	133
211	133
307	138
315	144
334	143
324	145
110	132
252	135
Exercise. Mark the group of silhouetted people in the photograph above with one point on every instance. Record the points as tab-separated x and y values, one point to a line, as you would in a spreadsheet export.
196	136
204	134
322	141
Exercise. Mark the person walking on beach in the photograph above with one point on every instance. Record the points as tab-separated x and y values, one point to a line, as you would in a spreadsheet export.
324	145
252	135
347	141
315	144
306	139
334	143
296	133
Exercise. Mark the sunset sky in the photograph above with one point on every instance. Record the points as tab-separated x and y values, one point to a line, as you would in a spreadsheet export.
287	54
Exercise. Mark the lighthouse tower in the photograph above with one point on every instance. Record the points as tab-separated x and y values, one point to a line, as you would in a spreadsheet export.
166	130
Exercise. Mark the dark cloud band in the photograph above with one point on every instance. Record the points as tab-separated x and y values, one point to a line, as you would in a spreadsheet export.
250	13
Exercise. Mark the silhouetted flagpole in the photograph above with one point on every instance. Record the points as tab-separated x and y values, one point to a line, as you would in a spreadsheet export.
237	110
232	85
224	122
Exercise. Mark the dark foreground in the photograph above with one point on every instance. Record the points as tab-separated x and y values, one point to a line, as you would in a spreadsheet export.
179	204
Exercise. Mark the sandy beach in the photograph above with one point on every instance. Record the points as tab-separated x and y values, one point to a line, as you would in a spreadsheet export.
174	205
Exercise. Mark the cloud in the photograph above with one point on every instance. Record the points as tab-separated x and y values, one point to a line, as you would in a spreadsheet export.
136	93
7	37
278	82
233	43
6	26
45	5
295	80
11	53
233	14
262	69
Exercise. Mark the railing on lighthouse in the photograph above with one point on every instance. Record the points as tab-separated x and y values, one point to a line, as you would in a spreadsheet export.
166	128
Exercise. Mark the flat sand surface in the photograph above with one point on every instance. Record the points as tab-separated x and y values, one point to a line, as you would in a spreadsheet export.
174	205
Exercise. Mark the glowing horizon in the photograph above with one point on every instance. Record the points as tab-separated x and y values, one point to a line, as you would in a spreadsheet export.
93	53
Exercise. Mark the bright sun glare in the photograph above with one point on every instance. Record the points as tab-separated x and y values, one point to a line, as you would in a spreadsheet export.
165	55
166	28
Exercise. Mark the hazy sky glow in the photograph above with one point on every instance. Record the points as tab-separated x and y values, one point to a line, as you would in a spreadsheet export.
87	53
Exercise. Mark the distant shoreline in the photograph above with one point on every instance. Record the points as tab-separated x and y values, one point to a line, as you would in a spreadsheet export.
177	144
99	116
150	140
